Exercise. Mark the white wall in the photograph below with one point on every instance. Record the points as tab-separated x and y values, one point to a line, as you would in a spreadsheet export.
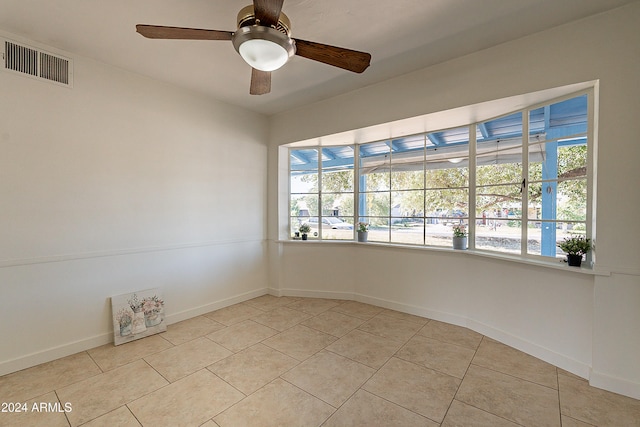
586	324
121	184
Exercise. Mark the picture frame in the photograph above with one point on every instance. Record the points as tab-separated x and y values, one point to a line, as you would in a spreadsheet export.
137	315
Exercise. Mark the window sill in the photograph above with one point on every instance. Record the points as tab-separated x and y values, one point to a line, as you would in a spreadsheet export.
558	265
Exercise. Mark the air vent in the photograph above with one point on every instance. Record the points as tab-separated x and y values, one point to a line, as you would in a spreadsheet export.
37	63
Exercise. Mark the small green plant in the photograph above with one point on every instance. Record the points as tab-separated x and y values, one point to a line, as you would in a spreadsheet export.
459	230
363	227
577	245
305	228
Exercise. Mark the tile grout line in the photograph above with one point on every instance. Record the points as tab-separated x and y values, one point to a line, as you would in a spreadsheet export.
463	377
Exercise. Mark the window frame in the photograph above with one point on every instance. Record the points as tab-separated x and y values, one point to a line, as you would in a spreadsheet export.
591	140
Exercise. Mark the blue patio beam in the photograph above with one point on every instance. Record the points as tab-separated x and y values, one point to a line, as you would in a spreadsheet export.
435	139
301	157
328	153
484	131
549	192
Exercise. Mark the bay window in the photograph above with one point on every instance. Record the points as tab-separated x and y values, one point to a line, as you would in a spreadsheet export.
519	183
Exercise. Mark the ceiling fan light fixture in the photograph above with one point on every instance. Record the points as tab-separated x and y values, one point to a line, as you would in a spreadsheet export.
263	48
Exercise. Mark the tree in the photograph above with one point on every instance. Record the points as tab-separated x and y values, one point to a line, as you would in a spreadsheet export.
498	187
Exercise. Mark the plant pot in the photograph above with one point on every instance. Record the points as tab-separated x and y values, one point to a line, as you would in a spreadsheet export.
152	319
125	330
363	236
459	243
574	260
304	236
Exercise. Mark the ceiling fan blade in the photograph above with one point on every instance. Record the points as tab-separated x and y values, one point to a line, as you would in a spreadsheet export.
260	82
267	11
161	32
347	59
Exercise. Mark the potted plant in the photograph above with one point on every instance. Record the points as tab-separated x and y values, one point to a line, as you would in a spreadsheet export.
137	323
124	320
459	236
363	231
575	247
304	230
152	307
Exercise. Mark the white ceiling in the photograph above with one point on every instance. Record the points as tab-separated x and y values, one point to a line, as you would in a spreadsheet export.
401	35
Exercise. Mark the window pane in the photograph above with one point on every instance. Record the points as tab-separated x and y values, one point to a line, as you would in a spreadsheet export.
375	204
448	158
446	205
337	181
337	169
448	138
374	181
535	200
562	119
538	232
499	151
310	221
572	200
334	228
554	161
375	162
340	205
448	178
407	230
304	182
499	201
501	129
304	159
502	235
407	162
536	229
295	222
304	205
407	180
440	233
504	173
378	228
572	161
407	204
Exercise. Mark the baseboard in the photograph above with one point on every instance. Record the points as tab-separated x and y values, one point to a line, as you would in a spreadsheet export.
415	310
311	294
581	369
576	367
68	349
615	384
596	379
54	353
198	311
568	364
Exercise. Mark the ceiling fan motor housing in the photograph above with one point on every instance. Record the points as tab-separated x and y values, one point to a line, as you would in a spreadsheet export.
247	17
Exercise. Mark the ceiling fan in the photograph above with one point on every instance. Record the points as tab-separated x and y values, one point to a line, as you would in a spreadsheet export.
263	39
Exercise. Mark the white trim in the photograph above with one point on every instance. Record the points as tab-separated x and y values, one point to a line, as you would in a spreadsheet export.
559	360
54	353
614	384
568	364
74	347
216	305
16	262
523	142
537	262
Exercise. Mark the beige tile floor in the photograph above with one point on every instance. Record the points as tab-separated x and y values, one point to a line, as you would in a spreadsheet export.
309	362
